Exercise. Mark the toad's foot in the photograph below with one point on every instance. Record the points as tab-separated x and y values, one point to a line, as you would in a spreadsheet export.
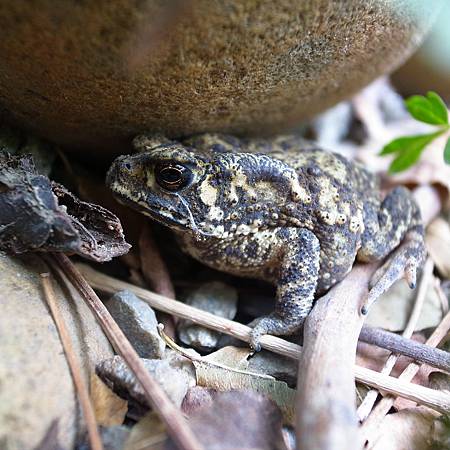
402	263
272	324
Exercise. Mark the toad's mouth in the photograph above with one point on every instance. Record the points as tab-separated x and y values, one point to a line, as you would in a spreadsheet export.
165	215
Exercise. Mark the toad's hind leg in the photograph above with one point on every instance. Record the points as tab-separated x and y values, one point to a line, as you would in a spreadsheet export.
395	227
296	286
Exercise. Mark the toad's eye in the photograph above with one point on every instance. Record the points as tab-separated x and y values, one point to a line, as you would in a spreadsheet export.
172	177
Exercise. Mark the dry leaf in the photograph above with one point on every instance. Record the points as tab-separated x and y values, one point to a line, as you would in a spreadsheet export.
438	245
148	434
225	370
391	311
197	397
109	408
238	420
406	430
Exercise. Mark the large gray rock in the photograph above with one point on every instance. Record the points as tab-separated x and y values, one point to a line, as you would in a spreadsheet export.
88	76
36	386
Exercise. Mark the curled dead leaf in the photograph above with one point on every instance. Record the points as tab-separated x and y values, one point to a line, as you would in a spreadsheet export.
438	245
109	408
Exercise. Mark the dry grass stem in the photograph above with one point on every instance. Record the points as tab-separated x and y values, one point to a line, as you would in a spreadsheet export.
369	401
372	423
107	284
80	386
176	425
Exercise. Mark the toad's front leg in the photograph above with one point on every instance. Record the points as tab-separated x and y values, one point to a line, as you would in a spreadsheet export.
296	285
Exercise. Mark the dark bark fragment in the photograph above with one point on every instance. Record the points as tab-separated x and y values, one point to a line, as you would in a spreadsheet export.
37	214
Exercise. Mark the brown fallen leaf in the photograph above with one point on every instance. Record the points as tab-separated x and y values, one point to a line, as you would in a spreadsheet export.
406	430
225	370
148	434
109	408
238	420
197	397
438	245
39	215
391	311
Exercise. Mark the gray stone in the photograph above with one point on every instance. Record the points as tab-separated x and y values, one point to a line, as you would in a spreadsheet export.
217	298
280	367
36	386
174	380
138	322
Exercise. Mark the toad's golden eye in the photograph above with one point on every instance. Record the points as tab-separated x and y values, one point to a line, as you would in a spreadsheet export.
172	177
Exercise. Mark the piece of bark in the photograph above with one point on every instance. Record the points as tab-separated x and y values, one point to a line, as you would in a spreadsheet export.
39	215
326	416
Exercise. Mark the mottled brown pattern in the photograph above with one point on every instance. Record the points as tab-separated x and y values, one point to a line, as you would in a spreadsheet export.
92	74
282	210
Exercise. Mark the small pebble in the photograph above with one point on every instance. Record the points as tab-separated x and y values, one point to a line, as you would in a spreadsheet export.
174	379
217	298
138	322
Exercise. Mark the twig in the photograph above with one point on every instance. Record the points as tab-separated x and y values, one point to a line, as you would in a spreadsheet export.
372	423
275	344
177	427
153	266
442	297
80	385
367	404
155	272
406	347
326	416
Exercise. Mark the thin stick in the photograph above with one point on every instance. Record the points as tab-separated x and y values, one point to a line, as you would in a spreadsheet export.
75	369
369	401
176	425
372	423
156	273
275	344
406	347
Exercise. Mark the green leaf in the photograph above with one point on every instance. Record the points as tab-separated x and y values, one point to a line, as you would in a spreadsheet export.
430	109
405	160
447	152
438	105
408	143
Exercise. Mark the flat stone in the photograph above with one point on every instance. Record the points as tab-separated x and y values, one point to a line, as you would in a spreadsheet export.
36	387
215	297
138	322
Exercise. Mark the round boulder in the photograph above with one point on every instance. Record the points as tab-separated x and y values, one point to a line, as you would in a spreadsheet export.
93	74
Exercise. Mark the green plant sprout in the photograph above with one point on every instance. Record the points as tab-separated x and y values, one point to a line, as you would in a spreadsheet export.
429	109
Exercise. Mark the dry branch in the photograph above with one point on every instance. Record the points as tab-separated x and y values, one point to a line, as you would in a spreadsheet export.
326	416
406	347
326	402
176	425
107	284
80	386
